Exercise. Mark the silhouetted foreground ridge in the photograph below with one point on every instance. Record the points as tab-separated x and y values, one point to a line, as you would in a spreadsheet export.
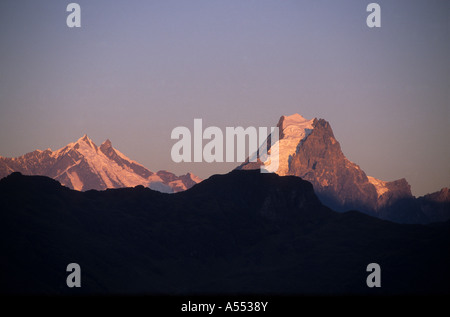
243	232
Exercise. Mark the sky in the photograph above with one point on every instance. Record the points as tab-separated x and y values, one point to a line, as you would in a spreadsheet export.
135	70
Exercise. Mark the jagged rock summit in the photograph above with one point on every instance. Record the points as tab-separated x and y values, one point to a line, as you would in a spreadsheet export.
308	149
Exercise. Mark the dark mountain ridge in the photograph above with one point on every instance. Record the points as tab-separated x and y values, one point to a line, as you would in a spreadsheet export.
238	233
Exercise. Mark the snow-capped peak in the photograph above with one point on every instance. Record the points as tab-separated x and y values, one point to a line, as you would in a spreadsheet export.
82	165
293	119
86	140
295	126
83	144
293	129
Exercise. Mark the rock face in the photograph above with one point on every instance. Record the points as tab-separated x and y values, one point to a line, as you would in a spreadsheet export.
308	149
340	183
82	165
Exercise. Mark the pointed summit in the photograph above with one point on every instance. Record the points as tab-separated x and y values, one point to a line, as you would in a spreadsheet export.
84	144
107	149
85	139
106	144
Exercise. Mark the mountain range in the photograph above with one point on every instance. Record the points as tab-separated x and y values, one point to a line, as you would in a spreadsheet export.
82	165
244	232
308	149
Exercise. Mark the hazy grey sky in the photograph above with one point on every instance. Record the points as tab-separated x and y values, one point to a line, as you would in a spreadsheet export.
137	69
